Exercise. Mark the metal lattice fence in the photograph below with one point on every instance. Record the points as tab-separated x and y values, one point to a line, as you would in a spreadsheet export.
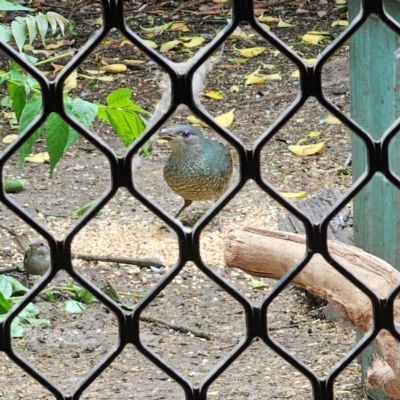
249	165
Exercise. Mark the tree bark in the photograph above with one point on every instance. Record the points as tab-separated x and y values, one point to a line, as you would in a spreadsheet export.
271	254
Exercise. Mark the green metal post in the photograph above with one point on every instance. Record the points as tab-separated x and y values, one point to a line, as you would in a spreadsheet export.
375	102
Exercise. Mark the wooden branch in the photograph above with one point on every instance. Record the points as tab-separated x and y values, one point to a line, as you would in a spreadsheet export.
140	262
272	254
176	327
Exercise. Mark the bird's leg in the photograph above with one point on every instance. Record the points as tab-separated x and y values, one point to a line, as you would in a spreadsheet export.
217	227
187	204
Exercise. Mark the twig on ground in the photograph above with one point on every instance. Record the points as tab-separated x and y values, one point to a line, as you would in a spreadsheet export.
176	327
140	262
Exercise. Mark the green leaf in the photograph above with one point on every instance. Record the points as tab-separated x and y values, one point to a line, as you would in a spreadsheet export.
57	132
29	311
56	18
73	136
84	295
5	287
32	28
167	46
127	125
101	112
80	211
14	185
50	296
73	306
5	305
7	6
17	287
42	24
53	22
133	107
17	331
19	100
20	33
117	95
31	110
37	322
5	33
82	110
111	292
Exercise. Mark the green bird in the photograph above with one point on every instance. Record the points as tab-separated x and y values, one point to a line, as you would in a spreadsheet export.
198	169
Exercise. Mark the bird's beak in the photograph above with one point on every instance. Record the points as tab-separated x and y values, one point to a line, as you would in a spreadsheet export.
33	245
165	135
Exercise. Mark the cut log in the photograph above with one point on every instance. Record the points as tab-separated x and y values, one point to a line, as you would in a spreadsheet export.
271	254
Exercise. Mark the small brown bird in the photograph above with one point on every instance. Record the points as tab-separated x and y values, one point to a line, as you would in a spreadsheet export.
36	255
198	168
37	259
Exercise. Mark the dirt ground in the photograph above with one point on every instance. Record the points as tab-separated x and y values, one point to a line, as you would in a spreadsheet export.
74	344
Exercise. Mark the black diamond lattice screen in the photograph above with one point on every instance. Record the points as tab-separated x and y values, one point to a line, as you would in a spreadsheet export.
256	317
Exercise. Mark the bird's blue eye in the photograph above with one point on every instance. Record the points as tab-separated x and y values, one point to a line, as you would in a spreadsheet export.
186	134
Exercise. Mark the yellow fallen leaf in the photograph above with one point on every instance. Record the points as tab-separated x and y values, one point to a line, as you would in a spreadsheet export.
195	121
255	284
9	115
70	83
313	39
214	94
105	78
295	74
254	73
251	52
268	66
310	61
340	22
83	76
297	195
255	80
234	89
95	72
158	28
193	41
308	149
126	41
57	67
301	141
98	77
267	27
152	44
98	21
134	62
263	18
272	77
333	121
239	34
108	43
275	53
283	24
225	119
167	46
323	33
114	68
179	26
38	158
9	139
314	134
